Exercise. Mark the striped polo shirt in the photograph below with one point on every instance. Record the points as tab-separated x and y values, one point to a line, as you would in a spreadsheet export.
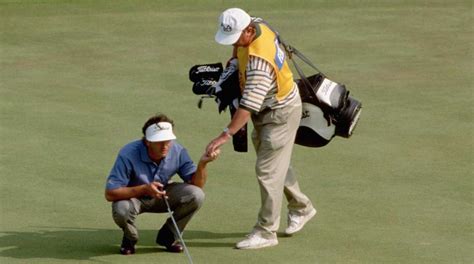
261	87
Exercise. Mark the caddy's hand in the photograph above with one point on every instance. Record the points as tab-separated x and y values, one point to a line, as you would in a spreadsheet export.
214	145
208	158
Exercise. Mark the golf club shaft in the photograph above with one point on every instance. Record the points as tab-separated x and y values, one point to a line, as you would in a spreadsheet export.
179	232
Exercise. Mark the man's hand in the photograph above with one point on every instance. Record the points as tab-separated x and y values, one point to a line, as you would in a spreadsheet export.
155	190
214	145
210	157
239	119
200	176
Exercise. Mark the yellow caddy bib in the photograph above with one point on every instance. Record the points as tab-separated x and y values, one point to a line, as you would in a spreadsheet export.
266	47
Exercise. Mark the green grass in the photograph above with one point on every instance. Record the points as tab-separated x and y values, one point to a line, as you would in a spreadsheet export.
79	78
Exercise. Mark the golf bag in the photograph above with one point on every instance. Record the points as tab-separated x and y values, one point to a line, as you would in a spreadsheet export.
213	81
328	110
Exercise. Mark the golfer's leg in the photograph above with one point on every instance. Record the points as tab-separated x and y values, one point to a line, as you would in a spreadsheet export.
184	200
124	213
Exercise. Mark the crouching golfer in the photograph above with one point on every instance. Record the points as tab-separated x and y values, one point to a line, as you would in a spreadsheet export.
140	181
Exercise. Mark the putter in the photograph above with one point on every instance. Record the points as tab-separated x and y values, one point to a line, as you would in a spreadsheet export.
177	231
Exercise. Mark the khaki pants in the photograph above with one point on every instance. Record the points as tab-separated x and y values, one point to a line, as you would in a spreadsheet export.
273	138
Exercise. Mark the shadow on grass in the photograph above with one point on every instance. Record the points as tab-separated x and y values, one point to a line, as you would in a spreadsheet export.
84	244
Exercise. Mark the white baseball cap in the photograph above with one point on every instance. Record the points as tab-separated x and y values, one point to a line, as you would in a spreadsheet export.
162	131
231	24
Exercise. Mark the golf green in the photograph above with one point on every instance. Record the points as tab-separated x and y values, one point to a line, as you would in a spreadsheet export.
79	78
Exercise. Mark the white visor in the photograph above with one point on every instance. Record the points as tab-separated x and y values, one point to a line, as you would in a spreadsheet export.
162	131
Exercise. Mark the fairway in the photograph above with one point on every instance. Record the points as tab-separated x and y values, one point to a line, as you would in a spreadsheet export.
79	78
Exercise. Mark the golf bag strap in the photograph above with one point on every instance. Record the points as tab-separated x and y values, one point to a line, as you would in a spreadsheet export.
303	77
290	50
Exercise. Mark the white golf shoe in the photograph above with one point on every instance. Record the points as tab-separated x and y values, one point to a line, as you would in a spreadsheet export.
296	222
255	240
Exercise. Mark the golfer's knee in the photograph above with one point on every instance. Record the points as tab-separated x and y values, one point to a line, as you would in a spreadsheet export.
122	212
196	196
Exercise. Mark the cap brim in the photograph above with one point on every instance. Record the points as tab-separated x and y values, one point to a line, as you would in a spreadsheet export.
227	39
161	137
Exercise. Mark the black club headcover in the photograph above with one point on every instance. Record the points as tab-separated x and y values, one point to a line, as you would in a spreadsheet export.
205	72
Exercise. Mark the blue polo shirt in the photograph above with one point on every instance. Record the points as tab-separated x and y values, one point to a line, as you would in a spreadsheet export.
134	167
